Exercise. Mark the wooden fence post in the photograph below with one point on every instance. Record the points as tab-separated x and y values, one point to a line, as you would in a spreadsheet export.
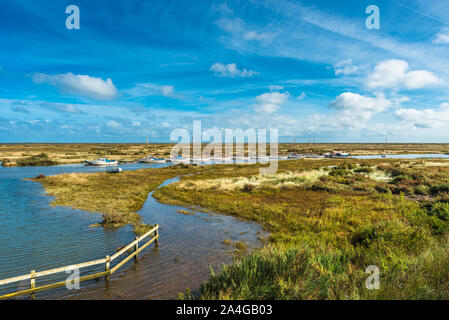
107	267
157	234
136	248
33	283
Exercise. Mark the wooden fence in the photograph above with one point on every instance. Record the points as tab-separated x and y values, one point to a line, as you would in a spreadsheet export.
33	275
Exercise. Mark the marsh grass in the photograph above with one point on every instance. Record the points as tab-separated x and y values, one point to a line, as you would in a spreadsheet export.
41	159
323	234
116	197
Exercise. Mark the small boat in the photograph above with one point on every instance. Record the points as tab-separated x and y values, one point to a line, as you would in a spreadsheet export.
314	156
340	155
151	159
278	157
103	162
114	170
200	159
221	160
180	159
294	156
384	155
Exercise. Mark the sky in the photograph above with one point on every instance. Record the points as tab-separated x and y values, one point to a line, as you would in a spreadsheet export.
311	69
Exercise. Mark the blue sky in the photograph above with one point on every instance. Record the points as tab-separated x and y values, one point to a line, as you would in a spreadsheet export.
311	69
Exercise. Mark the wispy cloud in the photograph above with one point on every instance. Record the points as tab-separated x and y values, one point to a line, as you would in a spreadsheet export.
151	89
231	70
442	37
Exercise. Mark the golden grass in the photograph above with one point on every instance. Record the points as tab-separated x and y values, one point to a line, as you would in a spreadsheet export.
105	193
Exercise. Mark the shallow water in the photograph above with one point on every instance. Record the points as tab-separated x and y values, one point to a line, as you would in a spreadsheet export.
34	235
405	156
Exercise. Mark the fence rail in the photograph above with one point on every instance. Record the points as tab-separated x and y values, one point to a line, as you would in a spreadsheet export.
33	275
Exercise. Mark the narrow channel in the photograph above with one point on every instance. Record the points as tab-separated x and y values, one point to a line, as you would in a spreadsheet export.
47	237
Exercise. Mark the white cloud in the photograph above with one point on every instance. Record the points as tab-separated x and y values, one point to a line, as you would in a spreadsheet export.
230	70
442	37
359	106
345	68
113	124
303	95
420	79
270	102
150	89
95	88
259	36
276	88
167	90
239	29
395	74
61	107
426	118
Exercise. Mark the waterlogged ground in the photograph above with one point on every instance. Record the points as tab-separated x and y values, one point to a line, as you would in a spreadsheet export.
37	236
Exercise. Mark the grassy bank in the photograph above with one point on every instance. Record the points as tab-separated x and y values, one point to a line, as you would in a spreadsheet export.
328	225
116	196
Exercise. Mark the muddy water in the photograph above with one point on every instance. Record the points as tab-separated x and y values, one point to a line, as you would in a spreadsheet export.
36	236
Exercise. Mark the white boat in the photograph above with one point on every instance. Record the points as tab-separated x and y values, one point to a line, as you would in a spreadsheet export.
151	159
221	160
314	156
294	156
114	170
279	157
180	159
200	159
102	162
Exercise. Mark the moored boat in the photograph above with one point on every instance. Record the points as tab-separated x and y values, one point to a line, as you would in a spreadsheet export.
180	159
102	162
292	156
151	159
114	170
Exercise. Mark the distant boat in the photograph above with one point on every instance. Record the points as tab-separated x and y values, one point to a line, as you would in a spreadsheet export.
314	156
101	162
221	159
340	155
114	170
151	159
384	155
201	159
180	159
294	156
279	157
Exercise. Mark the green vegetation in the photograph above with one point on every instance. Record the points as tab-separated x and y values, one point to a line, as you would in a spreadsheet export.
327	228
37	160
328	220
117	197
